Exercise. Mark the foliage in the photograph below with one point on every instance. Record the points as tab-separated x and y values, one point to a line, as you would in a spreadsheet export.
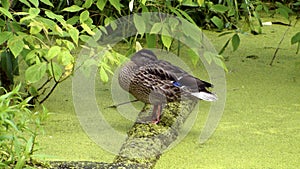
296	39
47	40
41	41
49	45
48	34
8	68
19	127
252	21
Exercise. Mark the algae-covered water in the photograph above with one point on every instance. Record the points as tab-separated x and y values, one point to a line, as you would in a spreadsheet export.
260	126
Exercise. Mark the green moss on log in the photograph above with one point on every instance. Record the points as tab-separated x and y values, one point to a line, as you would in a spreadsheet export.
145	142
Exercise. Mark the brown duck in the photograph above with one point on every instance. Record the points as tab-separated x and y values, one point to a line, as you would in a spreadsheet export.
158	82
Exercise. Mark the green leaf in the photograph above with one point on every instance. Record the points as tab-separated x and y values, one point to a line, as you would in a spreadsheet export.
103	29
35	30
151	40
187	16
174	11
35	72
97	35
85	15
87	29
65	57
69	44
4	36
156	28
283	13
173	24
52	52
103	75
116	4
189	3
87	4
258	8
5	4
34	11
15	44
143	2
52	15
21	162
208	56
35	27
284	7
218	59
194	57
33	91
30	57
235	41
29	145
200	2
166	38
73	8
73	20
55	70
35	3
295	38
11	123
25	2
48	23
58	30
101	4
6	12
47	2
139	23
84	38
218	22
74	33
218	8
231	12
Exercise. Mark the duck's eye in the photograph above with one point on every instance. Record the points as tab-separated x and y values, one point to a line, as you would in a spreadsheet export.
177	84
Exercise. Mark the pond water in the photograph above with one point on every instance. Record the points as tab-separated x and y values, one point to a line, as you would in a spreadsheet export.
260	127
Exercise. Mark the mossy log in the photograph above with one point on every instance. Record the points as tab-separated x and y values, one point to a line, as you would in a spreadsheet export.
146	141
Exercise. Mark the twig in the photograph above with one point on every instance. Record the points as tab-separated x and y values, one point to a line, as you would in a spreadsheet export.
277	49
50	92
44	84
120	104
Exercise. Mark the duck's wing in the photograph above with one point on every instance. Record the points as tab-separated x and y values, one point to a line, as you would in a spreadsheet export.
164	70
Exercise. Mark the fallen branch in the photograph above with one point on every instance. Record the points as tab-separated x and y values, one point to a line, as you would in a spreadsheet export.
146	141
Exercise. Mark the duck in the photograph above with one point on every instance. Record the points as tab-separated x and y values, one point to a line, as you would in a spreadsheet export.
158	82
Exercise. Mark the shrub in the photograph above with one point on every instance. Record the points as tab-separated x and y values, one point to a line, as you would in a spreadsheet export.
19	127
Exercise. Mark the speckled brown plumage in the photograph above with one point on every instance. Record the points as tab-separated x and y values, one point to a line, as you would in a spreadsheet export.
157	82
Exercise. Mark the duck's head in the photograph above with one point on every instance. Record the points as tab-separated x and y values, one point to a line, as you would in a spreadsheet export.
143	56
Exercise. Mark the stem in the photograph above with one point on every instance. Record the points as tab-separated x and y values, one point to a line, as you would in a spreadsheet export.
50	92
275	53
44	84
120	104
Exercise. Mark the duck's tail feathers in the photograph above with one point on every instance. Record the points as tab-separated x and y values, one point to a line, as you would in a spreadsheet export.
204	95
